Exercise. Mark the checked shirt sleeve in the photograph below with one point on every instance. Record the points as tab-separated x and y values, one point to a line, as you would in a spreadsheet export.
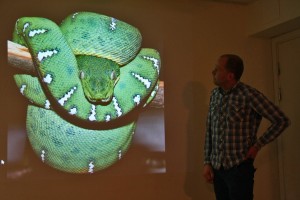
268	110
208	139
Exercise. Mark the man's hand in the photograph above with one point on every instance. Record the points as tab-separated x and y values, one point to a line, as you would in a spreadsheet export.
251	153
208	173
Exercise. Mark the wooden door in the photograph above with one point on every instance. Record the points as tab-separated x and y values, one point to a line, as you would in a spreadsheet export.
286	51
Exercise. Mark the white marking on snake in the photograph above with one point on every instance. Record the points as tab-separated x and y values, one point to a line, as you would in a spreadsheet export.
74	15
91	167
92	117
22	89
153	93
137	99
73	111
32	33
43	155
117	107
45	54
47	104
113	24
26	25
16	26
154	61
67	96
143	80
107	118
48	79
120	154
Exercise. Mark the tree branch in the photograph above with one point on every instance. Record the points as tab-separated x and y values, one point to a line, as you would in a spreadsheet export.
20	58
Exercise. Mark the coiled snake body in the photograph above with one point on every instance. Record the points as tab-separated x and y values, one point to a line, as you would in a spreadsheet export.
91	70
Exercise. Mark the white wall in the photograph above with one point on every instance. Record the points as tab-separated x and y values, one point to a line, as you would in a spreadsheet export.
270	18
190	36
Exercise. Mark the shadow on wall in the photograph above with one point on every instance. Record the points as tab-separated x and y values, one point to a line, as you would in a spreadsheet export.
194	97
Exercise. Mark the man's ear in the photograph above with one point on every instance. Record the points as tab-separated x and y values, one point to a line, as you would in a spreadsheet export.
231	76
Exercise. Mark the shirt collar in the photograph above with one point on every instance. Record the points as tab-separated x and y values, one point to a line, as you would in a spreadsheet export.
223	92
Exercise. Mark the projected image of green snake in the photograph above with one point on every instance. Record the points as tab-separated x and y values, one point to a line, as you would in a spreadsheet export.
92	70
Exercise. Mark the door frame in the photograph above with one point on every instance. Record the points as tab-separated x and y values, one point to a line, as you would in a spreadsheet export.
276	41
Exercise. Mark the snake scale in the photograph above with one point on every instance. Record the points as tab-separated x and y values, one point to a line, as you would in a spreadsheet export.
91	75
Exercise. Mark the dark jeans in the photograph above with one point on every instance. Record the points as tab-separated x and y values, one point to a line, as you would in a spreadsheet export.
235	183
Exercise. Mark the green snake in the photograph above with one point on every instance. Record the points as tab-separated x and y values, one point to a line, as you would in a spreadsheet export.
92	79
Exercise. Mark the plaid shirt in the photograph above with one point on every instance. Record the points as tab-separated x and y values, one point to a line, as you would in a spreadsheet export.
232	123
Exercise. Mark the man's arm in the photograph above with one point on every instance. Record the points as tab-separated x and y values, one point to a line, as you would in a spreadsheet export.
207	170
267	109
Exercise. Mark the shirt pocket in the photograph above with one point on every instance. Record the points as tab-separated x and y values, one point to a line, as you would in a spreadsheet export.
237	112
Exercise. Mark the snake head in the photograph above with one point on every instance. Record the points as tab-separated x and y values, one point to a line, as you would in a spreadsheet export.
98	77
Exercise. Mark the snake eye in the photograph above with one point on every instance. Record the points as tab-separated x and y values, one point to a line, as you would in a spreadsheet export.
81	75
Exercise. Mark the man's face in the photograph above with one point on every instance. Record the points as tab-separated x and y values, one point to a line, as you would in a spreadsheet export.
220	74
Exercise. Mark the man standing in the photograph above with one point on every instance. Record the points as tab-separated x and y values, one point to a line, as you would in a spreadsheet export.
231	144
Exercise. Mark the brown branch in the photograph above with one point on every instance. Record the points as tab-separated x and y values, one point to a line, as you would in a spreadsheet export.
158	101
20	58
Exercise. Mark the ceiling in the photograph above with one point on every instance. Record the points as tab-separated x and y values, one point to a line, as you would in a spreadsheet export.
235	1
